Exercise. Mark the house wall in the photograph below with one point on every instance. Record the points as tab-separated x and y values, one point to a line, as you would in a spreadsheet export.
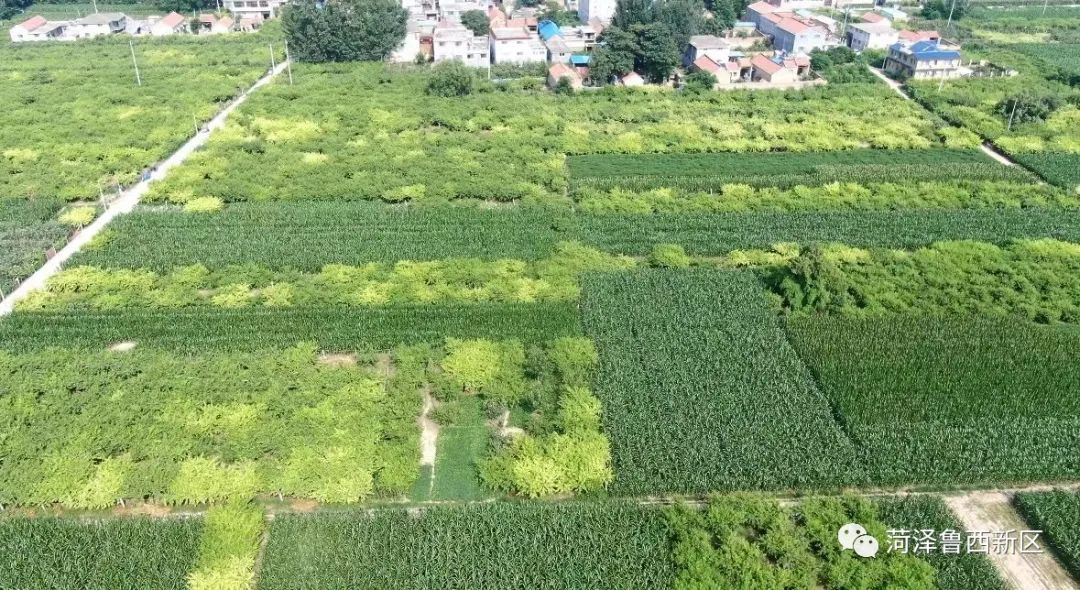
517	51
601	9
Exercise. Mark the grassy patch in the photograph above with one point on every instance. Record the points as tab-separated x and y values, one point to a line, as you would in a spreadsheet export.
27	229
460	448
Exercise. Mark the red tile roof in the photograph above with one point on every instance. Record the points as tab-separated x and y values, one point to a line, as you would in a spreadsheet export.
802	61
760	62
707	64
172	20
776	17
732	67
33	23
871	17
762	7
793	26
914	36
560	70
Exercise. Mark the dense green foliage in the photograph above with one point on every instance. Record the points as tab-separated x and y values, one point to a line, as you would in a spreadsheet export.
332	328
434	282
944	401
343	30
228	548
954	572
1034	279
837	195
112	554
746	541
496	545
59	139
701	390
27	229
366	132
720	233
1057	514
192	429
1063	56
1060	169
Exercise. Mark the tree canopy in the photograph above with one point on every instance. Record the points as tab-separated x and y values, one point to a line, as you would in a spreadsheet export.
344	30
649	49
476	21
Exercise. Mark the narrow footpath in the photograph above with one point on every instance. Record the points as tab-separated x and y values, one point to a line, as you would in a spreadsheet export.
127	200
987	149
993	511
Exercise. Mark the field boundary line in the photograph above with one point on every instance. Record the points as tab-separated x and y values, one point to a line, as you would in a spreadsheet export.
127	200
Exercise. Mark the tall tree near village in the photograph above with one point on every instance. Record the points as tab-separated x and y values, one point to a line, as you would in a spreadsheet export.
684	17
344	30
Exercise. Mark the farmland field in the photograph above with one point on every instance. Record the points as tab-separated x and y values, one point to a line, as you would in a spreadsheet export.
27	229
934	401
1057	514
109	554
702	392
500	545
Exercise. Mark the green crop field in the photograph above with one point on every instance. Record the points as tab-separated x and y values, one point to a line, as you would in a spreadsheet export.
108	554
933	401
701	390
27	229
1057	514
500	545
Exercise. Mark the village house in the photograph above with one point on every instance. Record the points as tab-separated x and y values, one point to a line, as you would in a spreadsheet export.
863	36
602	10
516	45
37	29
916	36
756	12
254	9
923	59
173	23
222	25
871	18
454	10
417	41
797	36
705	46
725	72
559	71
96	25
631	80
451	40
778	70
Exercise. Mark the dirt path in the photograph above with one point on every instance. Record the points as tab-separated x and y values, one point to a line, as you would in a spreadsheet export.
128	199
996	155
993	511
429	431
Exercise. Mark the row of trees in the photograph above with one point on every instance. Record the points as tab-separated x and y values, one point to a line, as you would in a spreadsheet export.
344	30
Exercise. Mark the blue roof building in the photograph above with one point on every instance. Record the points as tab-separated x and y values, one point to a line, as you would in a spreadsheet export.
923	59
547	29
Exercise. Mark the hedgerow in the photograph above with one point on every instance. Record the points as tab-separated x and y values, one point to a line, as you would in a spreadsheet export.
743	540
331	327
836	195
71	130
488	545
706	234
107	554
931	400
953	572
445	281
1057	514
204	428
1034	279
701	390
361	131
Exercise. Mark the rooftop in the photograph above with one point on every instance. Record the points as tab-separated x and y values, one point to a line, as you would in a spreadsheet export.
33	23
763	63
708	42
172	20
510	33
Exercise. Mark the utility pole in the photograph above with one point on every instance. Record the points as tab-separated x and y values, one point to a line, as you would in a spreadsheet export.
1009	128
272	63
195	123
1045	2
952	7
95	7
138	77
288	62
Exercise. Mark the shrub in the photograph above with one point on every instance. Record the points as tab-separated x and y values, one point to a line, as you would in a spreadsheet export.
78	216
669	256
204	205
450	79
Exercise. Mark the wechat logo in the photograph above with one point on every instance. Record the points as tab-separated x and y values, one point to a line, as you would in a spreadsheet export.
853	536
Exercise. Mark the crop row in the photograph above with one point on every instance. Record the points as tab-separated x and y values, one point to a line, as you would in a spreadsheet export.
280	236
27	230
701	390
940	401
1062	169
330	327
1057	514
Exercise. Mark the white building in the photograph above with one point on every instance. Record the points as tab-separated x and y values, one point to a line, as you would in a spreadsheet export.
516	45
37	29
451	40
171	24
96	25
601	9
709	46
254	9
454	10
863	36
416	32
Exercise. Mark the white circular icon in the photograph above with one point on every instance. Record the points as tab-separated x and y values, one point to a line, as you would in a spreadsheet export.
848	533
866	546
